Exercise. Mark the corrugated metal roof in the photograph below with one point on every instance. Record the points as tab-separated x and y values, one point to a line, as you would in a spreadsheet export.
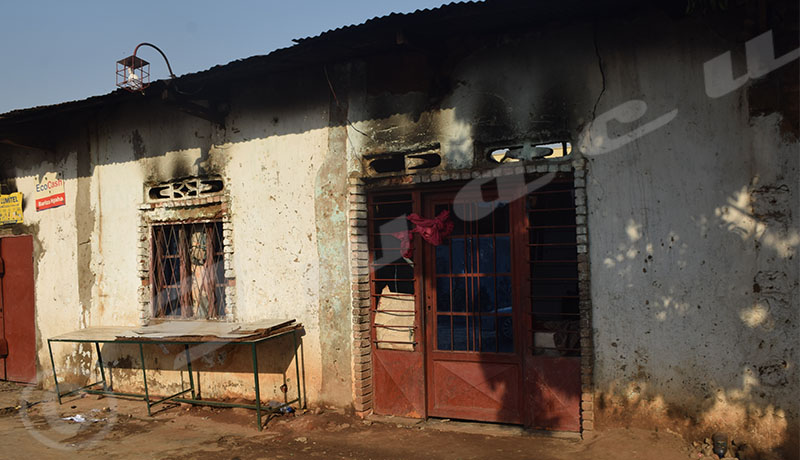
388	16
372	36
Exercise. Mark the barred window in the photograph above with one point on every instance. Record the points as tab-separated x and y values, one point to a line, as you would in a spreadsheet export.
553	256
187	271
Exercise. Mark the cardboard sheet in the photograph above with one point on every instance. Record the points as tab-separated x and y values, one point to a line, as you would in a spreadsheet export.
178	329
101	333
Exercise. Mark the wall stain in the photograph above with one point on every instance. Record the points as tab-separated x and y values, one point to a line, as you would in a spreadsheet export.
139	149
84	224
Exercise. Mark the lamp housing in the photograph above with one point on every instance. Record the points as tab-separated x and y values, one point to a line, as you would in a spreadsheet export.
133	73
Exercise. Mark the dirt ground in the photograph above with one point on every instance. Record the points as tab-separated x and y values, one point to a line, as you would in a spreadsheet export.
117	428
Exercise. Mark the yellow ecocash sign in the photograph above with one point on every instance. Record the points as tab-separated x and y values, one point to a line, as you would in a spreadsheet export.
11	208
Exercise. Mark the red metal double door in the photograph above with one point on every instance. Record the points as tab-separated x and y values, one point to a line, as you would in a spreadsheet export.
474	294
17	328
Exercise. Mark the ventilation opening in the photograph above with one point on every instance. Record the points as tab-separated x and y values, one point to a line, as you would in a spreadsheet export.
208	186
552	150
406	161
159	192
192	187
423	161
393	163
505	155
512	154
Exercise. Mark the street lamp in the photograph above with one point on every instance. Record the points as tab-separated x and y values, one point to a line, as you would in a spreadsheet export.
133	73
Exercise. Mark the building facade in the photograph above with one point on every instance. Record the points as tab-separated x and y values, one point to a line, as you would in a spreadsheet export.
619	242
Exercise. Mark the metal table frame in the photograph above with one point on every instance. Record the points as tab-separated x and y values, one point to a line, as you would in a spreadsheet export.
107	390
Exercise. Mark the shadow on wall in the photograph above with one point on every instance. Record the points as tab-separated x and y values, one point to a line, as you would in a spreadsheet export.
167	143
716	340
736	374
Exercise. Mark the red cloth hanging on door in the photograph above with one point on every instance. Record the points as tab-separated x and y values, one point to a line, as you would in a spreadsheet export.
434	231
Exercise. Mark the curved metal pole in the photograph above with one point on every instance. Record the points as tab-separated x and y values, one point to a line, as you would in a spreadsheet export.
172	75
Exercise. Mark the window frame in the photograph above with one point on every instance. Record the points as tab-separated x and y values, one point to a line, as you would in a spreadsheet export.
207	204
188	290
522	230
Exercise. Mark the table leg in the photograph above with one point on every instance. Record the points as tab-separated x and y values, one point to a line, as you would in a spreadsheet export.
53	363
100	361
297	371
258	392
144	377
189	367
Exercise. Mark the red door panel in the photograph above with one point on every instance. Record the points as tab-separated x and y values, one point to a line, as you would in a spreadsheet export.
554	392
400	383
476	391
18	308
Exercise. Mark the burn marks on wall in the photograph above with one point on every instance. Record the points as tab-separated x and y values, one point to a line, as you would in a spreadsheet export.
139	149
473	106
382	75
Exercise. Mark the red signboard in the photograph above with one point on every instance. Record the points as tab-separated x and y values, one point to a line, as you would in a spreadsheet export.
50	202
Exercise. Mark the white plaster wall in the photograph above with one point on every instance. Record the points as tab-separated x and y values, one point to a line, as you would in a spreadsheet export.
54	245
271	184
56	296
116	192
269	154
272	192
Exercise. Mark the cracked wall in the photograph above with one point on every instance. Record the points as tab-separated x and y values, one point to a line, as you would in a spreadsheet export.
688	225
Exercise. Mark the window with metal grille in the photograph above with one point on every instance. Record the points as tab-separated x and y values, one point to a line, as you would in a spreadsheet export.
392	275
552	243
473	272
187	271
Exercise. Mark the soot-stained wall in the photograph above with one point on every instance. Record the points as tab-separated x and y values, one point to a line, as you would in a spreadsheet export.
692	230
271	155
